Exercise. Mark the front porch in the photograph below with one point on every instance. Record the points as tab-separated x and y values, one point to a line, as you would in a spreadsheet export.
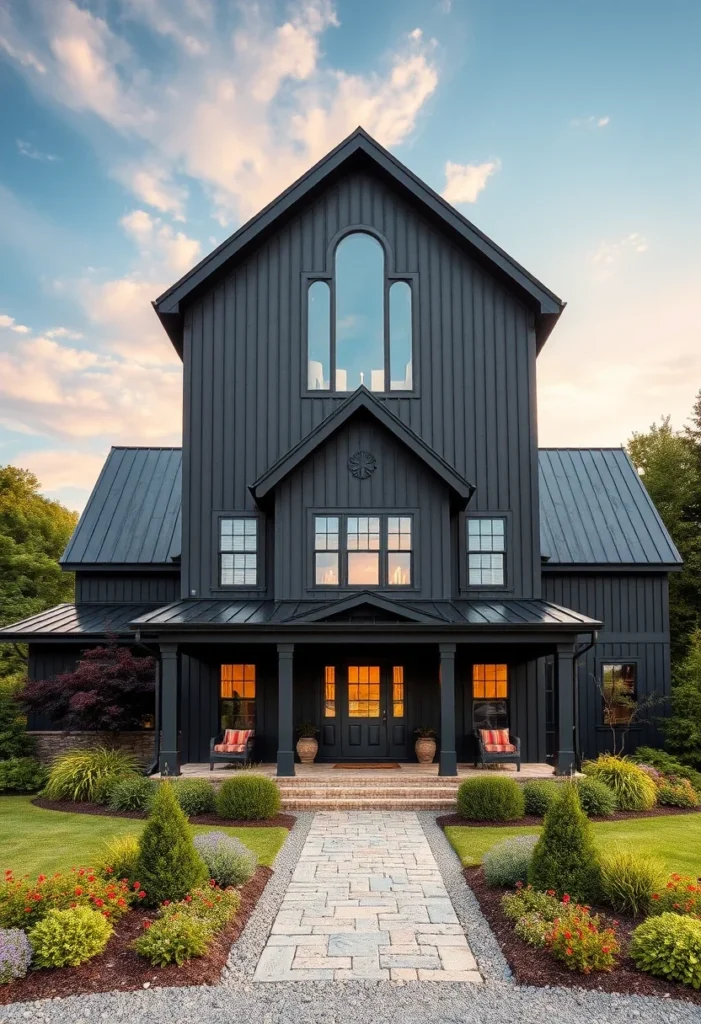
405	771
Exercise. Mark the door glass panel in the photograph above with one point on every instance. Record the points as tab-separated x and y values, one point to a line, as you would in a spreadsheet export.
398	691
330	692
363	691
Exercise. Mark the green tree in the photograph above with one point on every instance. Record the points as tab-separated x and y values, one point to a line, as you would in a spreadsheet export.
670	466
682	730
564	858
169	866
33	534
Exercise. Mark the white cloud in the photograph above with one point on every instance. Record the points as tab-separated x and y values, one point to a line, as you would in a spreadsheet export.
592	121
608	255
173	249
23	57
27	149
184	21
10	323
64	332
62	468
155	186
464	182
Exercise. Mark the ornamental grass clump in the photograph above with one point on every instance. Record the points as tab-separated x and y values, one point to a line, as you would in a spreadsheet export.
248	797
681	894
76	774
228	860
132	793
506	864
15	954
169	866
565	858
633	789
669	946
490	799
196	796
538	796
67	938
121	859
24	902
629	880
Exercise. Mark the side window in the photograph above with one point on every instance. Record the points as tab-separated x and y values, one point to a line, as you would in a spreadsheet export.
237	697
486	551
619	692
490	696
238	552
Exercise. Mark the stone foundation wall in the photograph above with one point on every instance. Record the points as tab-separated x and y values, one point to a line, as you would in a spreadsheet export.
51	743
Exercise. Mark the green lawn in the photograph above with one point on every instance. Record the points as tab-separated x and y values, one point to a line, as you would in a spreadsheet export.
34	841
675	839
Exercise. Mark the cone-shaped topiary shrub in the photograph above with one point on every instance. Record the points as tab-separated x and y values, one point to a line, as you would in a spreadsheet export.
565	858
169	866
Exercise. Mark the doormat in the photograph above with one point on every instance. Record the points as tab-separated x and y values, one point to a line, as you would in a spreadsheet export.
385	764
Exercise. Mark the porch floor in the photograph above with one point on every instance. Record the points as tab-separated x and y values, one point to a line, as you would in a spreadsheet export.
406	772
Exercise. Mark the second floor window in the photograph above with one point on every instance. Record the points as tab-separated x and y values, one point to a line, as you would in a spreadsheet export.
368	338
486	552
363	551
238	552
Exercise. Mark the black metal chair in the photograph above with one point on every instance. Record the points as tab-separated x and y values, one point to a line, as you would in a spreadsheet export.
243	756
486	757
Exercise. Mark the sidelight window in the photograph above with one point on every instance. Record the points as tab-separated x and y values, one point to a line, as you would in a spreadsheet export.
238	552
330	691
398	691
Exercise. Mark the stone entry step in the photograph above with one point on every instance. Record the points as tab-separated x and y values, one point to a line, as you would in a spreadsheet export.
366	803
371	794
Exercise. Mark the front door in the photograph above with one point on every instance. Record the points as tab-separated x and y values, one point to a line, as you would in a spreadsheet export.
370	708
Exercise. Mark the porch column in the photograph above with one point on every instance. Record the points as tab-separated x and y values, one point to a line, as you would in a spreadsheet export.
564	674
285	731
448	760
169	756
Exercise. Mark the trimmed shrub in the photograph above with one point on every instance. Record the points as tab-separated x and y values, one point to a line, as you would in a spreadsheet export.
538	796
530	901
14	741
121	859
565	858
22	775
23	902
196	796
680	895
595	798
132	793
75	774
228	860
632	788
215	906
169	866
102	789
491	799
629	879
173	939
675	794
667	764
67	938
532	928
578	940
15	954
669	946
248	797
506	864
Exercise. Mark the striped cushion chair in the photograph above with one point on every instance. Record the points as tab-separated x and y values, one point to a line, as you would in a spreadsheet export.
497	746
232	745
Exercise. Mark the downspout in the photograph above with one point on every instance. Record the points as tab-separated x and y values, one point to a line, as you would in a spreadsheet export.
152	768
577	655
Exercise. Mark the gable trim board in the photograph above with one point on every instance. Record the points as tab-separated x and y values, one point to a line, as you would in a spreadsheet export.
359	146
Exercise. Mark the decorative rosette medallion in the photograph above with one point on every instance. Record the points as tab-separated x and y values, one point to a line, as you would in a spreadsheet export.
362	465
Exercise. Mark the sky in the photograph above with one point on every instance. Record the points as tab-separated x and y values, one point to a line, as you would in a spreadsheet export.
136	135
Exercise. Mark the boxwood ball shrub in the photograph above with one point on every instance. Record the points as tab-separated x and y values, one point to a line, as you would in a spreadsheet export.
76	774
228	860
494	798
15	954
629	879
506	864
538	795
196	796
669	946
633	789
595	798
67	938
132	793
248	797
169	866
565	858
22	775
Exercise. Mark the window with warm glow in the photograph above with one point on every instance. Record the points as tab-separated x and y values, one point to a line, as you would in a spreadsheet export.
326	551
363	551
363	545
237	693
329	692
399	551
398	691
489	681
363	691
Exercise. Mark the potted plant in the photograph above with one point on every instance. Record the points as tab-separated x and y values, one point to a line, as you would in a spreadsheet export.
307	745
425	745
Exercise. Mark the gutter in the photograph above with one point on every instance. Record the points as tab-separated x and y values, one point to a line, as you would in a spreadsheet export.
577	655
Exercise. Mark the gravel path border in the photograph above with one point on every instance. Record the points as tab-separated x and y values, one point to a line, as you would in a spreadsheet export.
483	943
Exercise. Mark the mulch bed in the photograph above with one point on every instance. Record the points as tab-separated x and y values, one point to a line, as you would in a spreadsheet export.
120	969
279	821
533	819
533	966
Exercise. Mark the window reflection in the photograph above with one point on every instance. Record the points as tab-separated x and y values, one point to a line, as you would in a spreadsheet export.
400	370
360	334
319	336
363	691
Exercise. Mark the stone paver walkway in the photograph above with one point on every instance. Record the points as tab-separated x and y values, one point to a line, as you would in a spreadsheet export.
366	901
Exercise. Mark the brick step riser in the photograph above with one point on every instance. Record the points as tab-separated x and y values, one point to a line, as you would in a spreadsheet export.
355	792
368	805
355	780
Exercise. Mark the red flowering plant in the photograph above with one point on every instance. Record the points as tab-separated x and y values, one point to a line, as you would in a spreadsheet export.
215	906
681	895
578	939
24	901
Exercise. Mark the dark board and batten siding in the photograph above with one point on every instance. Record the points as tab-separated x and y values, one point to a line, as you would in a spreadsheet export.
244	356
111	588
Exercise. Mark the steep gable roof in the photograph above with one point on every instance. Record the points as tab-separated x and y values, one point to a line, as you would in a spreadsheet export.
357	150
362	400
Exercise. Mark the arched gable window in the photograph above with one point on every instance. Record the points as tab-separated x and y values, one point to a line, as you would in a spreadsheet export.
359	323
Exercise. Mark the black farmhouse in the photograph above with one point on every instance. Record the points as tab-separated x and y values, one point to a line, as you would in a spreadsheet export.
360	530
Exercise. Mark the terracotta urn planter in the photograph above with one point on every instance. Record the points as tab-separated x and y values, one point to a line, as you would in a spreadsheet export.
425	748
307	748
